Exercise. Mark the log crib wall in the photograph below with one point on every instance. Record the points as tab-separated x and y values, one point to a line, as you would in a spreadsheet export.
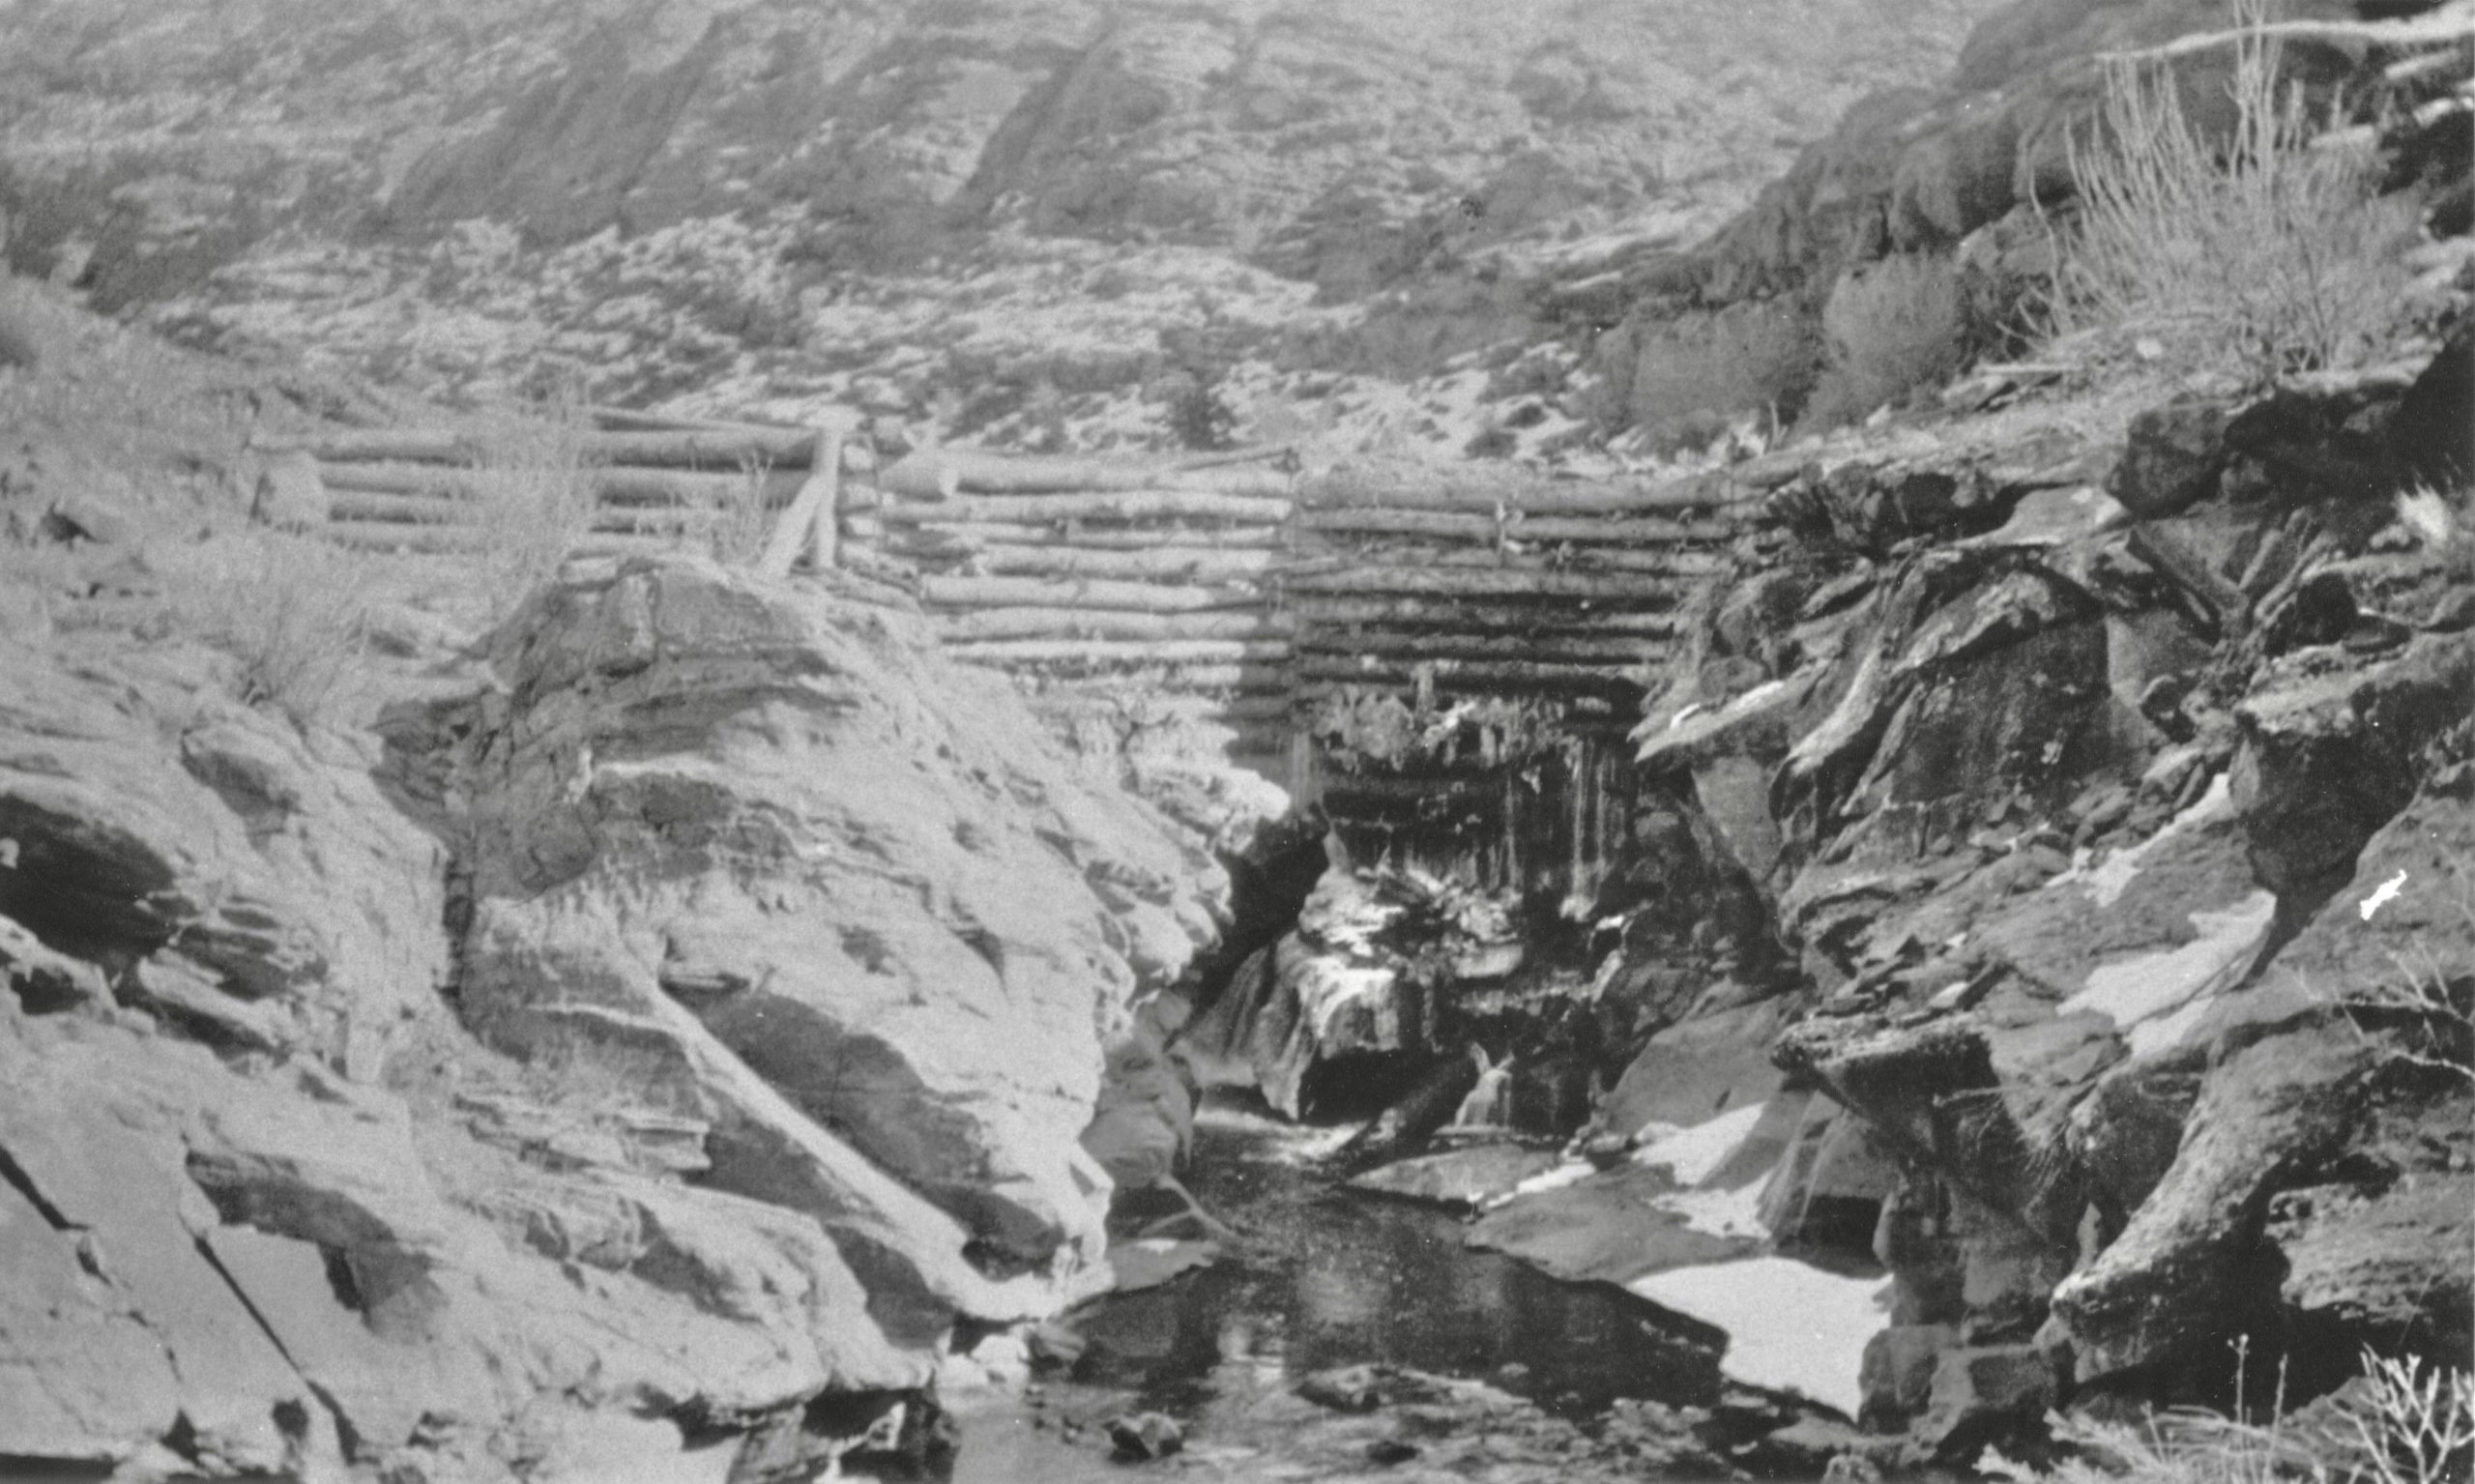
1124	591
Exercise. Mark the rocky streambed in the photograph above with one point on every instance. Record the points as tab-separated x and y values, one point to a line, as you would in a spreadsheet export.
1345	1327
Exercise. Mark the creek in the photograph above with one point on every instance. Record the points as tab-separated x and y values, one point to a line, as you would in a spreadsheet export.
1322	1278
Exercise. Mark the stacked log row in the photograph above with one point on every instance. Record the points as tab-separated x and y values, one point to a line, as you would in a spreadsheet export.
1564	595
1097	582
656	485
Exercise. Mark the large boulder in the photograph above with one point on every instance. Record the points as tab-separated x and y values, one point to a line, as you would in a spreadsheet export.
272	1210
2332	749
764	853
2268	1118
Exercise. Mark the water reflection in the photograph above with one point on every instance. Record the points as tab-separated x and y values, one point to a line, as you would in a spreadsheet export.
1330	1279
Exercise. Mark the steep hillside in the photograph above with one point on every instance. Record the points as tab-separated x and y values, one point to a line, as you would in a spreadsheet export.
933	212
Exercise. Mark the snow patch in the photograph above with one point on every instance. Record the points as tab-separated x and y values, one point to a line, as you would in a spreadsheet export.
2108	878
1570	1173
1791	1328
1694	1154
2138	993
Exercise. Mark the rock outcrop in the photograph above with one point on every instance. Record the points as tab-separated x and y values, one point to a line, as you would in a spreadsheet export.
2126	838
791	953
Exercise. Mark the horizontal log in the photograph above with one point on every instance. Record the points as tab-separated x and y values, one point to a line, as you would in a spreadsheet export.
1188	677
686	487
354	505
792	449
608	544
1081	592
1490	582
699	448
628	420
375	536
1711	490
1473	675
1355	787
1097	653
618	487
1118	504
1161	564
932	473
1549	615
1107	623
1055	696
397	536
1611	531
1653	560
1447	645
1701	491
361	508
967	536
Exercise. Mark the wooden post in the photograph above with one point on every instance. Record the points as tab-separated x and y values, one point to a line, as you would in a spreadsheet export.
812	522
825	531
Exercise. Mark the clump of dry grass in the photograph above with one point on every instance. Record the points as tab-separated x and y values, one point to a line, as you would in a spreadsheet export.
2263	253
536	499
744	520
294	611
1888	329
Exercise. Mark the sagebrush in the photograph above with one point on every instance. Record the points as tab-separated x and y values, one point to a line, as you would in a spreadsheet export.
1694	375
1888	329
2263	251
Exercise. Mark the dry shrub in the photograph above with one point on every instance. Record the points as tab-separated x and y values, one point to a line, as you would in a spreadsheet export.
743	522
2413	1425
2403	1422
536	497
1697	372
1888	329
2263	254
294	611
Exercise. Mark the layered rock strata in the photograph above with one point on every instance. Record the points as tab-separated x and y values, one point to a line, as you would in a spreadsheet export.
791	954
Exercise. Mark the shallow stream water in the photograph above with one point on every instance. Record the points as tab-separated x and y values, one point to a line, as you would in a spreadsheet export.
1324	1278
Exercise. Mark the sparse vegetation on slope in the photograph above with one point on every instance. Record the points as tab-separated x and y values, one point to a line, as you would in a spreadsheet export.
1891	328
536	500
293	610
2265	251
2405	1423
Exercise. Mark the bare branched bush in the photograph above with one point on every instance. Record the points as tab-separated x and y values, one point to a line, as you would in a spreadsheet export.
2402	1422
1888	329
2428	1002
2263	254
2414	1424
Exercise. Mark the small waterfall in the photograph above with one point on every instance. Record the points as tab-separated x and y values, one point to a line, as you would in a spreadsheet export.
1488	1104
